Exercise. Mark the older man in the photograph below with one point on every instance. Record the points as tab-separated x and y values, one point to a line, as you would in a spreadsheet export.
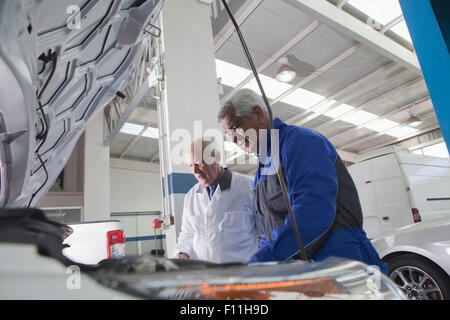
218	216
323	195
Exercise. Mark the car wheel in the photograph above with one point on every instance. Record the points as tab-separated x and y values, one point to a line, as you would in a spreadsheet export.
419	278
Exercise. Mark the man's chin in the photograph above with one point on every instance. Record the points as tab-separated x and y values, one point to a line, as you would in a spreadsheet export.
201	181
204	182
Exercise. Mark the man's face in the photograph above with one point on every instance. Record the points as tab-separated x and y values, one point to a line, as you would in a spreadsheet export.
243	131
205	173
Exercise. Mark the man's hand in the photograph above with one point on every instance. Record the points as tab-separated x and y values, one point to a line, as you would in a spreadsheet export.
181	256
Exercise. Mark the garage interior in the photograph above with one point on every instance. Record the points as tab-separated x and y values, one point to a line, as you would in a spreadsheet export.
357	80
359	97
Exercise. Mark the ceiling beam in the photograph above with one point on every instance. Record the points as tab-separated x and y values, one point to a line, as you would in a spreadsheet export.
154	157
414	145
134	165
347	156
318	72
241	15
428	129
388	68
341	3
353	95
373	136
133	142
275	57
353	28
370	101
384	116
392	24
129	108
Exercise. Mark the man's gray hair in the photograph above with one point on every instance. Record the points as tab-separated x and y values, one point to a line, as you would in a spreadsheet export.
242	102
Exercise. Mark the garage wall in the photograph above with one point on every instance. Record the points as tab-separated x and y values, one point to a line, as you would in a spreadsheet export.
135	187
140	236
136	200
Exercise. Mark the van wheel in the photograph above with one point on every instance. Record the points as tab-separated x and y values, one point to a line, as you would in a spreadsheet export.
419	278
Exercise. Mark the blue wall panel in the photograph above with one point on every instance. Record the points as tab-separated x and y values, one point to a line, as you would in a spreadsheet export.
429	25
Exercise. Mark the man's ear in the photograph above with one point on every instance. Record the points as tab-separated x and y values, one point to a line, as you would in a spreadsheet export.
259	113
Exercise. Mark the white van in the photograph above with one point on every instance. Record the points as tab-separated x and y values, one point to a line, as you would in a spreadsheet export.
398	188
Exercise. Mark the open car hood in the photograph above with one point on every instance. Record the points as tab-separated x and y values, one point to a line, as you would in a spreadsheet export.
61	62
150	277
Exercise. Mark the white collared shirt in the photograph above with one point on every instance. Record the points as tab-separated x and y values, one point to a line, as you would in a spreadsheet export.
223	229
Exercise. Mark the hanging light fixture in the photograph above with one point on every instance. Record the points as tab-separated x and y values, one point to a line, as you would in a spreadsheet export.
413	121
285	73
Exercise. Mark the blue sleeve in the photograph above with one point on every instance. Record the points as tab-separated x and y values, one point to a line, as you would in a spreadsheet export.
262	244
312	186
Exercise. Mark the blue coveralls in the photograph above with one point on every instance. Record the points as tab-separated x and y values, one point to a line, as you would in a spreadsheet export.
323	198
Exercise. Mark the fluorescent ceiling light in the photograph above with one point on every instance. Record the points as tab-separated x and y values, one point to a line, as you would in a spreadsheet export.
359	117
401	132
326	104
151	132
402	30
272	87
231	74
381	125
131	128
303	99
383	11
136	129
339	110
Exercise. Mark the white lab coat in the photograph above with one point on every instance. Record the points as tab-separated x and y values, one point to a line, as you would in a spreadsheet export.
223	229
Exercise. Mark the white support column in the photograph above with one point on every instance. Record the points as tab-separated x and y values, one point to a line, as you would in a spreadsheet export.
96	172
190	94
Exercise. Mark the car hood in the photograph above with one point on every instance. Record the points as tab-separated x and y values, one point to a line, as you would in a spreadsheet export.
61	62
150	277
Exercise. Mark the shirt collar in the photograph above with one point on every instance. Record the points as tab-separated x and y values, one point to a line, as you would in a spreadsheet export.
223	180
216	182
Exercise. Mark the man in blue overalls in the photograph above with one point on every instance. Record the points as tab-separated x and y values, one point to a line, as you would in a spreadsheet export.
322	193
